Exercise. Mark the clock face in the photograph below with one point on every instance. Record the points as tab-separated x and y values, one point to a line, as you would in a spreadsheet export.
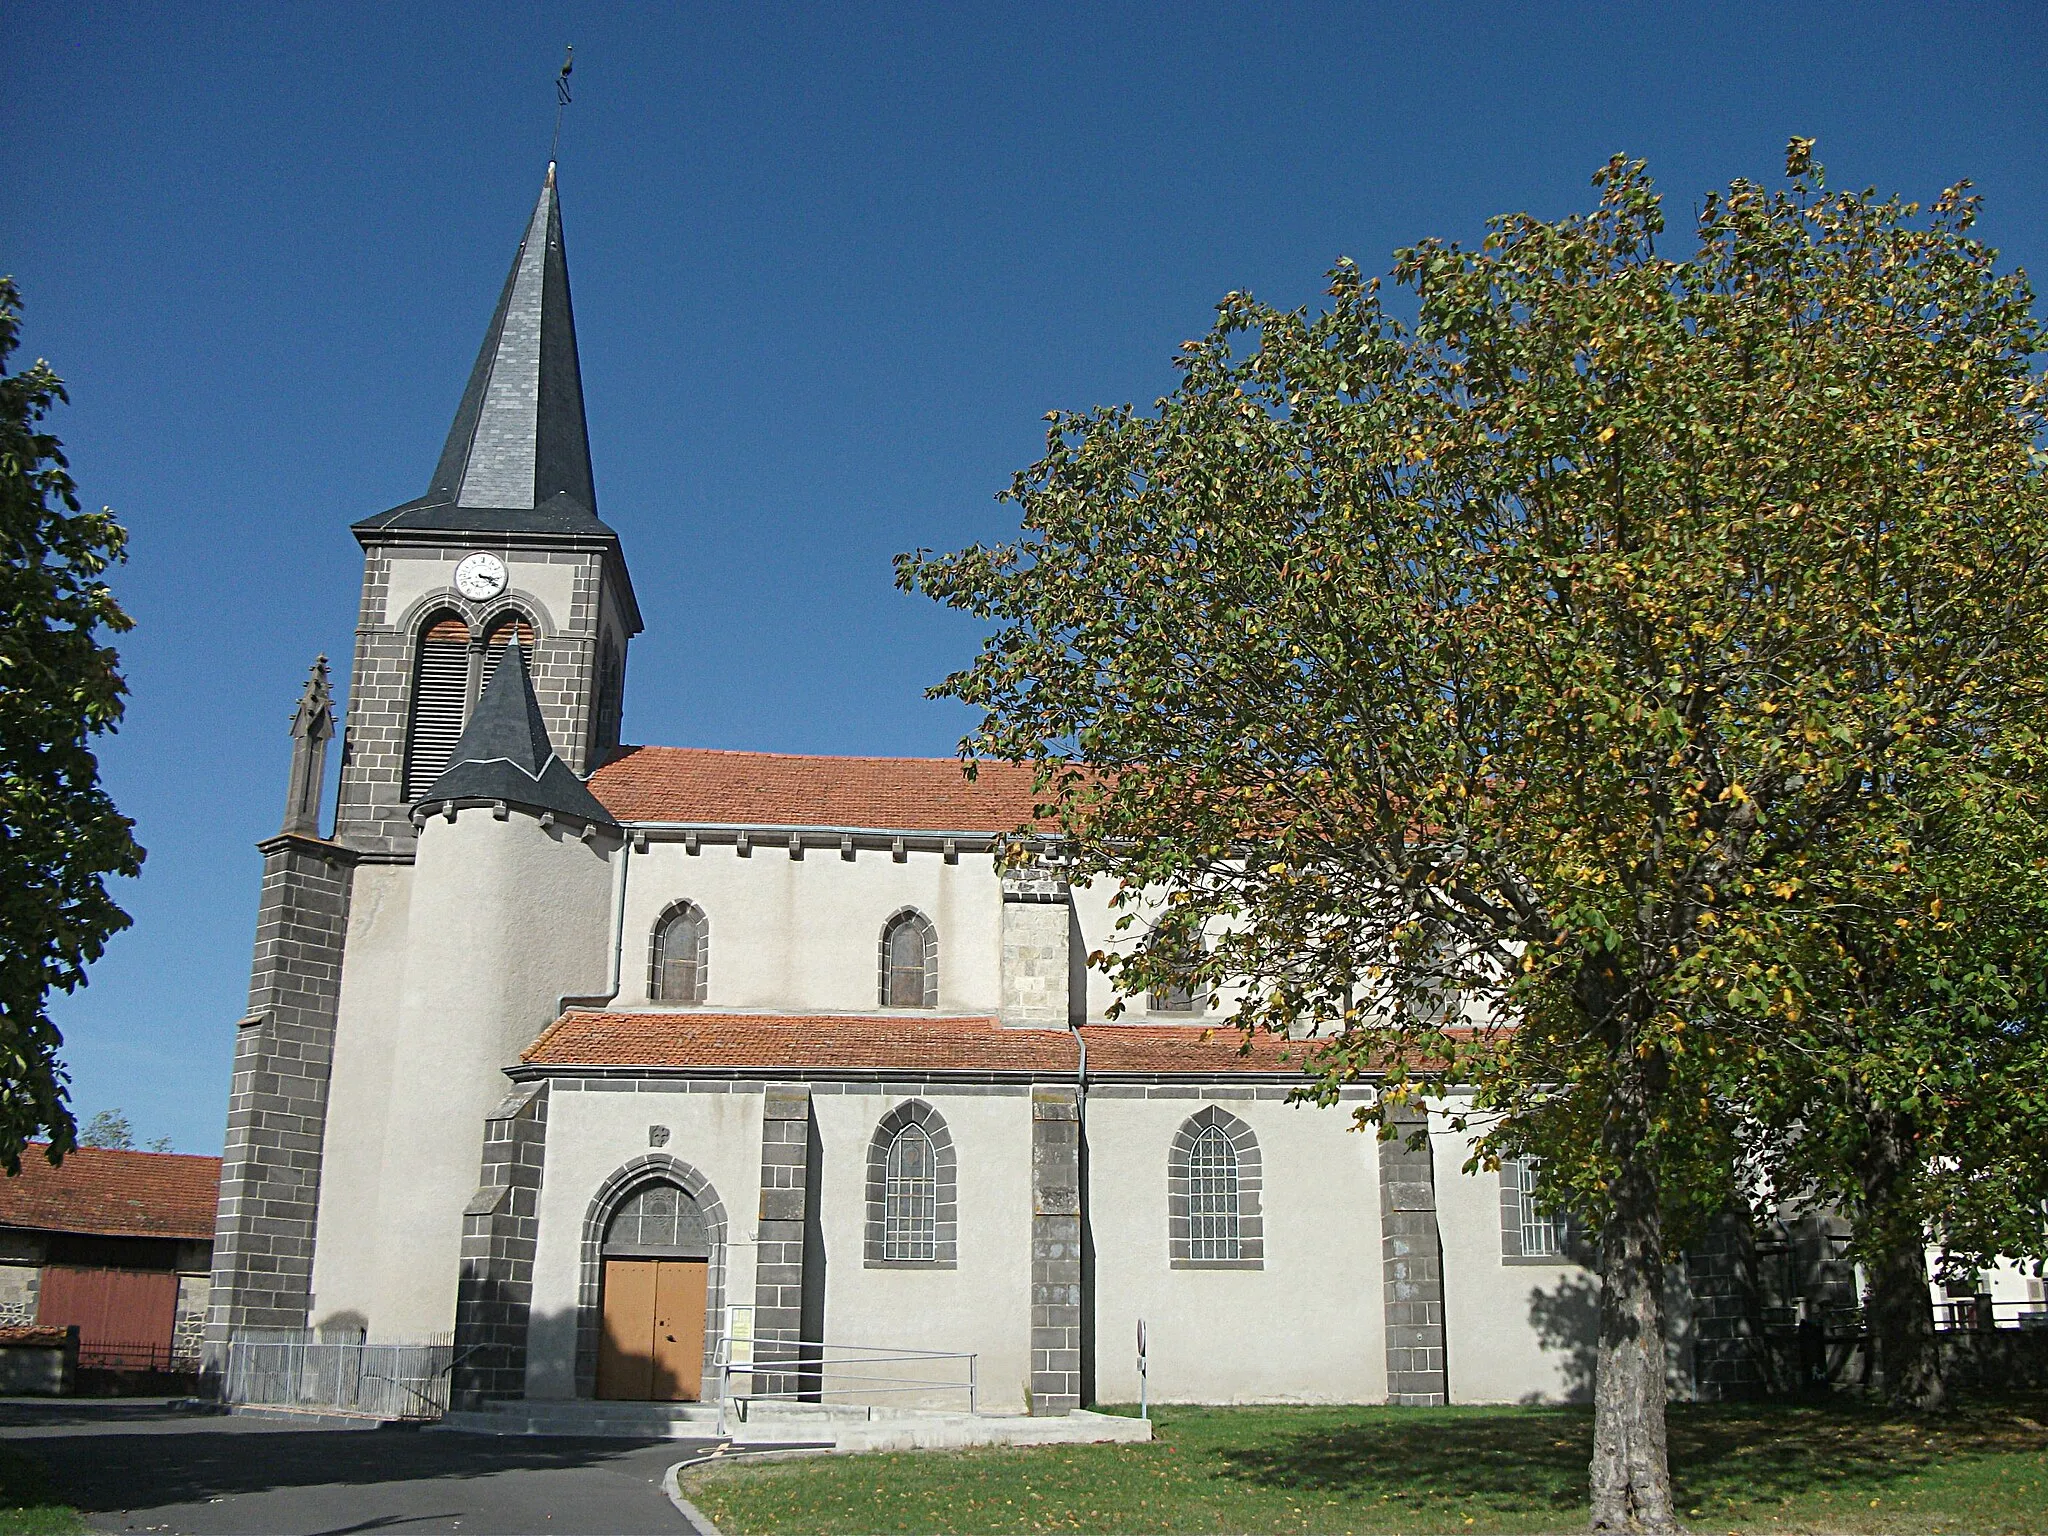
480	576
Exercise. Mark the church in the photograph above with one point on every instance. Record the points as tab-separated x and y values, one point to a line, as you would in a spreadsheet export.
617	1064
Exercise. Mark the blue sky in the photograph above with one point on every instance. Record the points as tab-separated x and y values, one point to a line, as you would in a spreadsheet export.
831	266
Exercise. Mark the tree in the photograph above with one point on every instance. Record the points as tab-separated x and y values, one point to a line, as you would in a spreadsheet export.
1912	1092
1496	689
60	836
109	1131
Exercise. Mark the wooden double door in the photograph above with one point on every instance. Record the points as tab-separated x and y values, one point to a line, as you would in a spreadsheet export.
652	1346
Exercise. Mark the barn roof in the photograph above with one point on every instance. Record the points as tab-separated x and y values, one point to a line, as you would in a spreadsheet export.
113	1194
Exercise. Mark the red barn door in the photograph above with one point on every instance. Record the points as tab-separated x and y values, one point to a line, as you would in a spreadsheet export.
124	1316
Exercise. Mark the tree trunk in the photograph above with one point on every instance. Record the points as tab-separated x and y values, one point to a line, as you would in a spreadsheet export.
1631	1471
1900	1305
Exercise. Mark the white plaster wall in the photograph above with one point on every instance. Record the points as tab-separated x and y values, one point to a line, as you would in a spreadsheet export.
1308	1327
1514	1332
1097	921
984	1305
540	581
505	917
590	1137
346	1249
804	933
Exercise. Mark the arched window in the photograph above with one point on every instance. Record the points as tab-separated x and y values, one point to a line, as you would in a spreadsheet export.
1212	1197
1213	1220
913	1200
910	1198
440	687
1177	996
680	962
910	961
657	1221
504	630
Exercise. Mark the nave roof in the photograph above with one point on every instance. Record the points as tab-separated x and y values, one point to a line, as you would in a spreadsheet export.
705	787
893	1043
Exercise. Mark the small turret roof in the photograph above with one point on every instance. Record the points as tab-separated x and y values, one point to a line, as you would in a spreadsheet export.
505	754
517	459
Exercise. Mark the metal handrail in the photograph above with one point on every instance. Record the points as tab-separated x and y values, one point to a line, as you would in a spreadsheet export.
806	1360
1970	1314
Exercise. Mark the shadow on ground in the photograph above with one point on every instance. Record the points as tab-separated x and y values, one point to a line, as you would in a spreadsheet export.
1761	1453
123	1456
1504	1461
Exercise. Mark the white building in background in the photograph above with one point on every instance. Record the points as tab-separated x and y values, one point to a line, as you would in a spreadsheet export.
587	1053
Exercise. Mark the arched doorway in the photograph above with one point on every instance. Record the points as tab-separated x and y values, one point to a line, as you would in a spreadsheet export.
654	1294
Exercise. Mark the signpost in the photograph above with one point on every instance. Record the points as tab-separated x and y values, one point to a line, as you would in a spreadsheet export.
1144	1404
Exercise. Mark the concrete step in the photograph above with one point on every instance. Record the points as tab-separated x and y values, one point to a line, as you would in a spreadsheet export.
639	1421
843	1427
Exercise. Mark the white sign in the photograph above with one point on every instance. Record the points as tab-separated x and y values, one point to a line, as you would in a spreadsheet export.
739	1335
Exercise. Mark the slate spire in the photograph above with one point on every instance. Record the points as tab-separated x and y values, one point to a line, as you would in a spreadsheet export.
504	753
517	459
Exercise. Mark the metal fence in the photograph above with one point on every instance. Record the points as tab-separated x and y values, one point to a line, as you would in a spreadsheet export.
384	1381
134	1355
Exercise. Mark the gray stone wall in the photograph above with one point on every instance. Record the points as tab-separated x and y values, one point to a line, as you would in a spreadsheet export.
1036	975
277	1104
500	1228
1413	1262
188	1330
1730	1362
372	815
1056	1278
779	1256
19	1285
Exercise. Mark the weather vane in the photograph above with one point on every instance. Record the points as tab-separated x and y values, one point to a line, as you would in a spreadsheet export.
562	97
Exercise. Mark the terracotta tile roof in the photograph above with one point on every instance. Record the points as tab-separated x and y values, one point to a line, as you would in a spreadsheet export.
882	1043
774	789
1188	1048
113	1194
892	1043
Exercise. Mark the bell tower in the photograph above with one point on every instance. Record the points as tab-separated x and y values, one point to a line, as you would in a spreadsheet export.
502	567
505	546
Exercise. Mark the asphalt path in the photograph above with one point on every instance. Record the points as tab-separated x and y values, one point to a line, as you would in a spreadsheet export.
139	1465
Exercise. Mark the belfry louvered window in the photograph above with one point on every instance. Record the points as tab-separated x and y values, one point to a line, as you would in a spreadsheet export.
1212	1197
440	689
910	1206
500	636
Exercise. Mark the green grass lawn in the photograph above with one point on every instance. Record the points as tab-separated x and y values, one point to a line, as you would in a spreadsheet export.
1980	1471
28	1507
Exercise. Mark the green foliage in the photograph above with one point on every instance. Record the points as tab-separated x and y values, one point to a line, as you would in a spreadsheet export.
109	1130
60	836
1913	1090
1535	665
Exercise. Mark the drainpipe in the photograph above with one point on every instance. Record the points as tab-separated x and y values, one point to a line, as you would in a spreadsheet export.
1087	1254
596	1000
